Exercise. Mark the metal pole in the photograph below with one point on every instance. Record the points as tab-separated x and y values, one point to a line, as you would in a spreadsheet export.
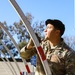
33	36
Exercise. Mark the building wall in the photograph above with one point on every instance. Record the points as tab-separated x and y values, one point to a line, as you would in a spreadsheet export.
5	70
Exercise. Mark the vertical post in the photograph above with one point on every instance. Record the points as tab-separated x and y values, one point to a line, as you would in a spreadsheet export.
74	14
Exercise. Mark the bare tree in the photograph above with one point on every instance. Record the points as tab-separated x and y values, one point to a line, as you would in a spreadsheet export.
70	41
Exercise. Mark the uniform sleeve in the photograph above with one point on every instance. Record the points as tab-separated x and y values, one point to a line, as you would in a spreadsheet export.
27	54
70	64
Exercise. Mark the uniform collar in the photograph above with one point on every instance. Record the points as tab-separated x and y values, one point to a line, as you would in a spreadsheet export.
59	46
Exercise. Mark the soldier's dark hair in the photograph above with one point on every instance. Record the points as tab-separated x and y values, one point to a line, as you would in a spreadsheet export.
57	24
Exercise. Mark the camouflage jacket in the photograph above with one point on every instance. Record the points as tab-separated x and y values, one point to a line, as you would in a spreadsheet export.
61	59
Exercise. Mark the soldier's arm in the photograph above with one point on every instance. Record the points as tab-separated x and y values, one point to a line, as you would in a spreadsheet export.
70	64
28	51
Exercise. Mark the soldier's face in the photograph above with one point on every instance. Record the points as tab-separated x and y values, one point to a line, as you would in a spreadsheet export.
50	32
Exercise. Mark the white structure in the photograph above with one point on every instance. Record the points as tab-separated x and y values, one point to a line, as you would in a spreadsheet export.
5	70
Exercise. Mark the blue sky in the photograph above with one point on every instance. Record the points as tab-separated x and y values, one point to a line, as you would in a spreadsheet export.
41	10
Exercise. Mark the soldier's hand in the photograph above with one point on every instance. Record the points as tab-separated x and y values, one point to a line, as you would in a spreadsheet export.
30	44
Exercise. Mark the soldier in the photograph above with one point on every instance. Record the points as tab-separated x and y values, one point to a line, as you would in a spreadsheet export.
60	57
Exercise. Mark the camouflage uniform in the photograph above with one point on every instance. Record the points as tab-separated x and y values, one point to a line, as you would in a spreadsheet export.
61	59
